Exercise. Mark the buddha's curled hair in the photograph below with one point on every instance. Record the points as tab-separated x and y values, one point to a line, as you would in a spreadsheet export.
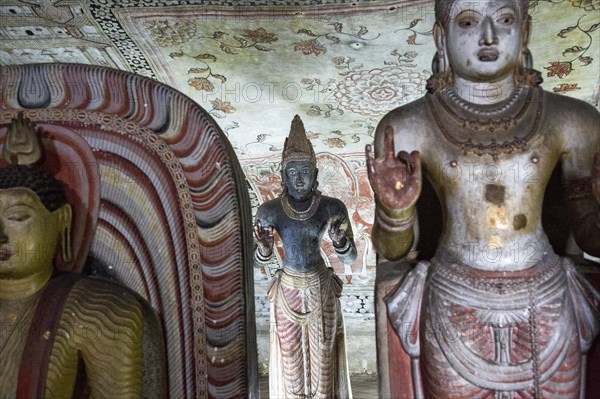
47	188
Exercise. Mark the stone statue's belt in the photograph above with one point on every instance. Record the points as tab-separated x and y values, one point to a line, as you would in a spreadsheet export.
320	279
547	288
459	277
303	280
504	377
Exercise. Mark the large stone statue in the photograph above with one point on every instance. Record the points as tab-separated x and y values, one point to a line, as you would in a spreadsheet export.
62	335
496	313
307	354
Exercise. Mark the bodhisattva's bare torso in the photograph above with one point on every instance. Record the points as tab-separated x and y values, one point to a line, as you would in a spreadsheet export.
492	203
302	238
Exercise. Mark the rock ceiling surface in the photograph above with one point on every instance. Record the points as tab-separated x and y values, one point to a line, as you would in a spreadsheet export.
253	65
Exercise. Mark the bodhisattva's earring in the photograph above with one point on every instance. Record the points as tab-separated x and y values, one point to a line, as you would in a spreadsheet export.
438	64
442	75
525	74
526	59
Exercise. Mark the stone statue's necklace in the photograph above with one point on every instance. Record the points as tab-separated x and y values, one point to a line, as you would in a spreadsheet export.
503	117
301	215
504	106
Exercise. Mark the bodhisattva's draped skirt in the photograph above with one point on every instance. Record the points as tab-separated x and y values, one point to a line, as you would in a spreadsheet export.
489	334
307	348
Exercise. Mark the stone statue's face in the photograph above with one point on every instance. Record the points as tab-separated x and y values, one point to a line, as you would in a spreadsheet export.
483	39
29	233
299	179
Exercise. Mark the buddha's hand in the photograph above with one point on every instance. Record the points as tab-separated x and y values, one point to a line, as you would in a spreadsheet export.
395	179
596	177
337	234
264	238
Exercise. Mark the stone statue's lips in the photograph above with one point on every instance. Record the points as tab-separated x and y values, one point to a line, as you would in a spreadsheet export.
488	54
5	254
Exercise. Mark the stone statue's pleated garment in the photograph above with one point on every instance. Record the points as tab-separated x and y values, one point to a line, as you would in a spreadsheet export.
307	348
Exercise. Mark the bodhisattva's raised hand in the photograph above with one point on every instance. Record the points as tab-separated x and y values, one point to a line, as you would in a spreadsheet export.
396	180
337	234
264	238
596	177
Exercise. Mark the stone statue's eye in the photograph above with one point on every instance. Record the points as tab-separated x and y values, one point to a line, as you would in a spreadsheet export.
469	23
18	217
467	20
506	19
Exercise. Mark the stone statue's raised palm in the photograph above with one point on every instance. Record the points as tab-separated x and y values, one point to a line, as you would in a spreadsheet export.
395	179
264	237
336	233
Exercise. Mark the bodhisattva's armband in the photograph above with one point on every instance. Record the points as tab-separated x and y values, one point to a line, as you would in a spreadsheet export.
344	249
395	221
584	213
579	191
260	257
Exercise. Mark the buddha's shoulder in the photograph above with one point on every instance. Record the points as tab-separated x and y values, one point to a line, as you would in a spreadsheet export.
94	296
100	317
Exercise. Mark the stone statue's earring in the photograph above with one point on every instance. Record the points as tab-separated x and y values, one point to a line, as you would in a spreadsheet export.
438	65
526	59
525	74
66	250
442	75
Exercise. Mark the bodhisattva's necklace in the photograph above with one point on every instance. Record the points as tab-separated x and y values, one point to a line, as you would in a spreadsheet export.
301	215
457	117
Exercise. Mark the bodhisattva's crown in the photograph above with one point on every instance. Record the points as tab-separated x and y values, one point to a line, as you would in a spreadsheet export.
22	145
297	146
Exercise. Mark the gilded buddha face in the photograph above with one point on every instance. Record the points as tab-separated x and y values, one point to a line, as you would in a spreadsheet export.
483	40
299	179
30	234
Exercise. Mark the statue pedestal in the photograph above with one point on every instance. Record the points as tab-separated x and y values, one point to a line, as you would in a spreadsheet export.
394	365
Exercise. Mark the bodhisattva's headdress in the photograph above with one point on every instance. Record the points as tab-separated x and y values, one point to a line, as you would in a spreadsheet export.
23	151
297	146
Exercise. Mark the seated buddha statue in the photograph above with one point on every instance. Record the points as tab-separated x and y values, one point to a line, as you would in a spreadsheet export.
496	313
62	335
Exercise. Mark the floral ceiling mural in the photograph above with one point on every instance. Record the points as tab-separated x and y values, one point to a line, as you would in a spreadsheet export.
340	65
